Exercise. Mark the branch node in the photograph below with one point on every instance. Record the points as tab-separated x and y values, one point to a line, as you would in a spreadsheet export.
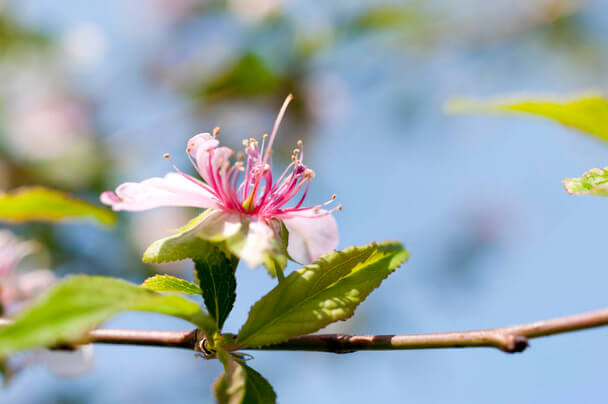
202	345
514	343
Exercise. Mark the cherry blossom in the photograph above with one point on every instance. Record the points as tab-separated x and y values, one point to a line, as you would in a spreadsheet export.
247	207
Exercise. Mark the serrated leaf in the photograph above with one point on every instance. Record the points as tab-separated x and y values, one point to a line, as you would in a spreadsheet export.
587	112
43	204
171	284
64	314
593	182
319	294
215	275
240	384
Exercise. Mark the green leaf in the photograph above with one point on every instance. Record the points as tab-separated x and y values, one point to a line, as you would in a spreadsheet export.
321	293
215	229
183	245
42	204
195	240
81	303
215	275
247	76
240	384
168	283
386	17
593	182
587	112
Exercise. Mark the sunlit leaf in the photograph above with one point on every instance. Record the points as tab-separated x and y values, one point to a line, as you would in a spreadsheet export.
321	293
208	231
593	182
171	284
183	245
215	275
78	304
188	243
587	112
240	384
42	204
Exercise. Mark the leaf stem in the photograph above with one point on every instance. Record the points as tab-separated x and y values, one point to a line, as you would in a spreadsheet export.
280	274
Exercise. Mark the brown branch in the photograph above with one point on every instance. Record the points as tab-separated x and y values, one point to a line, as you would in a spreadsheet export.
169	339
508	339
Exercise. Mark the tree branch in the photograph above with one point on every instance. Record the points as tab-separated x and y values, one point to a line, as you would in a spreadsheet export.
508	339
169	339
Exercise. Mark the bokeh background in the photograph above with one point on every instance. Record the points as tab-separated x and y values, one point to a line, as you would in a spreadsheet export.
93	93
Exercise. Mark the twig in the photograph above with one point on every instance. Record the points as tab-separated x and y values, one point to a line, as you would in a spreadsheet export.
508	339
169	339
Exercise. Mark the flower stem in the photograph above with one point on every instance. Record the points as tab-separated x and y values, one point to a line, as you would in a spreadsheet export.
280	274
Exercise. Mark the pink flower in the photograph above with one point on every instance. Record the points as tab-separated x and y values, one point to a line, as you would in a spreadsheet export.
18	288
246	205
12	251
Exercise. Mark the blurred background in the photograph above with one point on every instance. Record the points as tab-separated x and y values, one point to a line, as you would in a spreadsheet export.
93	93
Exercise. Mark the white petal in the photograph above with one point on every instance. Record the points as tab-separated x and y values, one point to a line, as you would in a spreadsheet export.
68	363
311	237
172	190
219	225
257	243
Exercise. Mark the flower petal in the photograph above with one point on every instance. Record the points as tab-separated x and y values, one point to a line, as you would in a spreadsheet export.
172	190
12	250
219	225
257	243
311	237
201	143
199	148
68	363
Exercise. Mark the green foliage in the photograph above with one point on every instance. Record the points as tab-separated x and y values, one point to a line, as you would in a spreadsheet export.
321	293
14	38
183	245
587	112
43	204
171	284
385	17
78	304
215	275
248	76
207	232
593	182
240	384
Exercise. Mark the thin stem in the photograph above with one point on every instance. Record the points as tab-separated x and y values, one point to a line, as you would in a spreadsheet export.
280	274
171	339
508	339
